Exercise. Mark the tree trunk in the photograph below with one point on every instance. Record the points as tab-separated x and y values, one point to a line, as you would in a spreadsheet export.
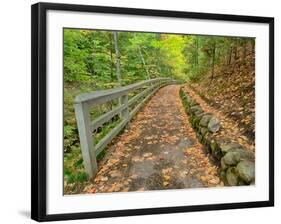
111	57
218	56
214	57
118	74
143	62
117	52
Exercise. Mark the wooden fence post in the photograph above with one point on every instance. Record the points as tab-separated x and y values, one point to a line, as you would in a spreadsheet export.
125	112
86	139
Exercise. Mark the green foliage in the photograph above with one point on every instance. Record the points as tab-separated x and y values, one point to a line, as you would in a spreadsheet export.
79	163
68	130
73	167
101	155
76	177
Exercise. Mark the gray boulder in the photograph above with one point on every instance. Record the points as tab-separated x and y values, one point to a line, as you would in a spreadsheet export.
194	109
244	154
200	115
231	176
205	120
214	125
197	117
223	165
246	171
225	147
231	158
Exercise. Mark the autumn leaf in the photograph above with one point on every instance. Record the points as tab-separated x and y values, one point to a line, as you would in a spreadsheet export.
104	179
166	177
147	154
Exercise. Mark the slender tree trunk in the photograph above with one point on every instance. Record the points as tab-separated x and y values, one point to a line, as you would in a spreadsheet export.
117	52
144	64
111	66
143	61
213	62
218	56
111	57
92	68
118	73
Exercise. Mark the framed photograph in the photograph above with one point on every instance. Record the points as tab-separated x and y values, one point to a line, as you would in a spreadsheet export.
140	111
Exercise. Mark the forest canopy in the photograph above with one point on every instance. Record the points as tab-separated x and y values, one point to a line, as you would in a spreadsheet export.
90	56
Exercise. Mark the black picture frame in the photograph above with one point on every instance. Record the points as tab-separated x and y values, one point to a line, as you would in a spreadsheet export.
38	109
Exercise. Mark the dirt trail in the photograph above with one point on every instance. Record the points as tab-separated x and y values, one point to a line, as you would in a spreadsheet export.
158	150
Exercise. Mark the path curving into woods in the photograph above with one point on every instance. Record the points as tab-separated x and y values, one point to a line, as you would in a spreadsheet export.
158	150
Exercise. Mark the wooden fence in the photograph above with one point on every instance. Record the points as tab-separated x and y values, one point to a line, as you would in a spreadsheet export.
125	109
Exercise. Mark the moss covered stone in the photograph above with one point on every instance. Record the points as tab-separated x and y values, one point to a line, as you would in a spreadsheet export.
223	165
232	176
226	146
214	125
231	158
246	171
244	154
205	120
196	108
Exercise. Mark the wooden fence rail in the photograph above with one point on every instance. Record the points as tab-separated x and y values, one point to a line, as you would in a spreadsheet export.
126	109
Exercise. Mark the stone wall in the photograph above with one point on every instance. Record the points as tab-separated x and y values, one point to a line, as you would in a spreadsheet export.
237	163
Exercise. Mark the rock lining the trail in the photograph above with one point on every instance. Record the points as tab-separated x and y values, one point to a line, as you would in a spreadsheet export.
237	163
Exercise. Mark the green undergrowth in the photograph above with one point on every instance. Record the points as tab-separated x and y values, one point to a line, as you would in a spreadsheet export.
74	173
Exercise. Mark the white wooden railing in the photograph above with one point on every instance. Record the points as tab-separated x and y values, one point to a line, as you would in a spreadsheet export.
126	109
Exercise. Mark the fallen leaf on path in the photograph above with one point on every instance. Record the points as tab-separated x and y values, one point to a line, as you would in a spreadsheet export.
147	154
166	177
